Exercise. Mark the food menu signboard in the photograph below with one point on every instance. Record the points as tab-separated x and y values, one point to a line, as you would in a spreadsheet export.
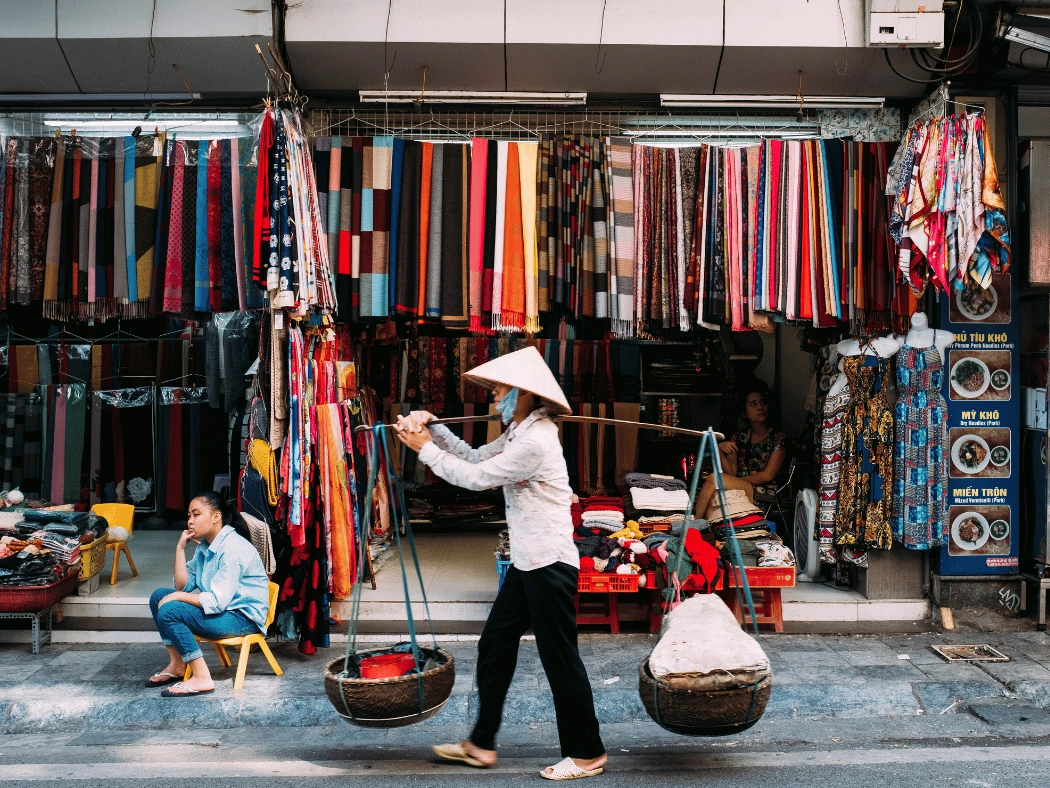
984	430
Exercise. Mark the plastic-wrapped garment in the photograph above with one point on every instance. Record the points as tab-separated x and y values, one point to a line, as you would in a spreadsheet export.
232	346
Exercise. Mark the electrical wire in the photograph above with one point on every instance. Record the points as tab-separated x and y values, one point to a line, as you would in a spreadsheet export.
947	66
961	63
886	53
940	68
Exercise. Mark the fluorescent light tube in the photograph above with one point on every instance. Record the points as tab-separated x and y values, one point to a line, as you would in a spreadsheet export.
812	102
88	123
1019	36
472	97
86	98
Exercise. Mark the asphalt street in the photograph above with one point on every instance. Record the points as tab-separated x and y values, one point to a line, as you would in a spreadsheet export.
957	749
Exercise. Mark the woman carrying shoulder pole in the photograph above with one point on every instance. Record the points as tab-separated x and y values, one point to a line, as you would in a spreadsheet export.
540	588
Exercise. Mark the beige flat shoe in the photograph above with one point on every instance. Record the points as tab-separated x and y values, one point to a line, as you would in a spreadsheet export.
568	770
456	754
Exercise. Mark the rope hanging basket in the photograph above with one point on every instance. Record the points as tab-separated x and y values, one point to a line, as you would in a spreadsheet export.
691	708
394	701
708	705
391	702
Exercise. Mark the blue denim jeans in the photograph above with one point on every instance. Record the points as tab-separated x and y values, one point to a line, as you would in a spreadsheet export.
178	622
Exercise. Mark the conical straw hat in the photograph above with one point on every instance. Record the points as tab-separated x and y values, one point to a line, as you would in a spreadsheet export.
526	370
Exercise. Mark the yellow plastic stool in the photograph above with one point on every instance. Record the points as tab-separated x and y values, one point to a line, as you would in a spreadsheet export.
245	643
118	515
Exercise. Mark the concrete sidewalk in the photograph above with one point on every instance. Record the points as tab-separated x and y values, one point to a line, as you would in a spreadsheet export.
816	677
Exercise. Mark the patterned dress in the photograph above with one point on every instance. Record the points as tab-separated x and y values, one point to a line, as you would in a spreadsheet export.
867	460
920	456
830	471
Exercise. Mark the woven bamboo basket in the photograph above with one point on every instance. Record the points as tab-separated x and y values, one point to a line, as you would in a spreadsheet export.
392	702
698	711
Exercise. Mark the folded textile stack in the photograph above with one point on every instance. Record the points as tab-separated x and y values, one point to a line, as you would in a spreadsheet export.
28	563
65	549
747	520
656	499
604	513
620	553
652	481
660	523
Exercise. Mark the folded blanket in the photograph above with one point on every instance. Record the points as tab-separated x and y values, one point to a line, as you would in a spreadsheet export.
660	499
650	481
602	514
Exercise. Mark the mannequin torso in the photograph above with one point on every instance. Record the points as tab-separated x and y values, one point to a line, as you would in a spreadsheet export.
883	347
921	336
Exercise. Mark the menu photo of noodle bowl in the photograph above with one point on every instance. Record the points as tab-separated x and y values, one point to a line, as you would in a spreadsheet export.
975	304
979	452
970	453
979	530
979	375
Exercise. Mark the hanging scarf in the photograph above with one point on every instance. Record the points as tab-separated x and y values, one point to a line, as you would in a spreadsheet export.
527	163
512	277
408	231
454	238
396	174
432	303
378	285
621	236
479	149
502	155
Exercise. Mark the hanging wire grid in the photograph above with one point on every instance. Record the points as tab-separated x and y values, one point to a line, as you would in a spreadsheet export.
529	125
187	125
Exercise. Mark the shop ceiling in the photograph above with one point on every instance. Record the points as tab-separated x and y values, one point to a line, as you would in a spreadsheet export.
648	47
337	47
104	46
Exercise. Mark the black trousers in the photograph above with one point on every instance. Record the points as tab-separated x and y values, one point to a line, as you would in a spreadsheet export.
543	599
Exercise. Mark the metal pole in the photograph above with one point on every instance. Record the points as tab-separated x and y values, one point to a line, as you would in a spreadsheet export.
573	419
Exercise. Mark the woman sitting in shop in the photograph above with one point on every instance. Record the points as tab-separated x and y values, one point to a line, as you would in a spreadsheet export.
223	591
751	459
540	587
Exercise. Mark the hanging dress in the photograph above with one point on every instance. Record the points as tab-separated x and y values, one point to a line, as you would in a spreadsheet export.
920	469
831	471
867	467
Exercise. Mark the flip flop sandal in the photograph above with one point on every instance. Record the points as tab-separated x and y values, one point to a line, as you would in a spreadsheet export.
171	678
456	753
186	694
568	770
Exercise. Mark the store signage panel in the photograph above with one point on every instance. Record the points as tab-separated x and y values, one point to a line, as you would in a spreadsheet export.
983	392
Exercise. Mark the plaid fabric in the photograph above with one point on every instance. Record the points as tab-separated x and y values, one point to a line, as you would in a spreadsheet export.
621	237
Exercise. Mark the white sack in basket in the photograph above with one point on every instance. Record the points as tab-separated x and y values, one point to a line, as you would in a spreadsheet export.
702	636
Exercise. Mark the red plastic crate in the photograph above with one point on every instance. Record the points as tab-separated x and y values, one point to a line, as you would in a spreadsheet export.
602	583
33	599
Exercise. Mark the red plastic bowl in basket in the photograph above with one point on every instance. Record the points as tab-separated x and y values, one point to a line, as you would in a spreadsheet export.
386	666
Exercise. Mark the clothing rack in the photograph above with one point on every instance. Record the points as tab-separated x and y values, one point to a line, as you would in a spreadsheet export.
515	126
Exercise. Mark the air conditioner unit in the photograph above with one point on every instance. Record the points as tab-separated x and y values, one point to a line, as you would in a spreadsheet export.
907	23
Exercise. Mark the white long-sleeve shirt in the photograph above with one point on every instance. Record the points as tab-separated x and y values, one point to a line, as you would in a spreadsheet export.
527	462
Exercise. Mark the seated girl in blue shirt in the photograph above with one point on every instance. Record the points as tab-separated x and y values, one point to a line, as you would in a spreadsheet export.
221	592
